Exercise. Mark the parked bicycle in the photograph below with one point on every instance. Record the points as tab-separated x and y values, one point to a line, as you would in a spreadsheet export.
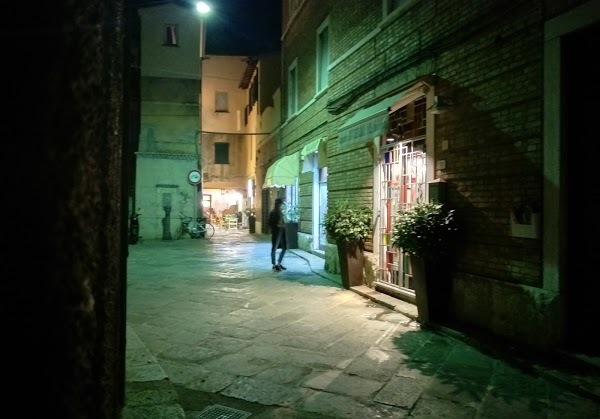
196	230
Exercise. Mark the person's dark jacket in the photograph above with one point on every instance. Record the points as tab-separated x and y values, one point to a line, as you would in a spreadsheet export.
275	219
276	225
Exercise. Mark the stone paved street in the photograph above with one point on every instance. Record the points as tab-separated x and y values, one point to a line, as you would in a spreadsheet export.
210	324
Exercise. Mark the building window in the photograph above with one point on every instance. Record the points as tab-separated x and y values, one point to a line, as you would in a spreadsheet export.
291	194
171	36
221	102
323	56
293	89
221	153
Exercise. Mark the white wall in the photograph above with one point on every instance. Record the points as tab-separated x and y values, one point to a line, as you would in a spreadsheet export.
156	177
157	60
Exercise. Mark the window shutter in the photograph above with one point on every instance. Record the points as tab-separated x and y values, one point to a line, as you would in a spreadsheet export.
221	153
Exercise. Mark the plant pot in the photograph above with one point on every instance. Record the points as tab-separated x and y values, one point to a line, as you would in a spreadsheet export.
419	277
433	289
291	235
352	258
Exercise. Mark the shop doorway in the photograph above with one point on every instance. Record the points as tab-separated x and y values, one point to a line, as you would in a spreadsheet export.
403	183
321	208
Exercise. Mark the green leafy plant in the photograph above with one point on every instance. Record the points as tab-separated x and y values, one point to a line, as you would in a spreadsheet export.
291	214
348	222
425	229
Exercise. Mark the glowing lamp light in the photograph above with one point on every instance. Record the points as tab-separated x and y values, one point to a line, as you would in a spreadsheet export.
202	7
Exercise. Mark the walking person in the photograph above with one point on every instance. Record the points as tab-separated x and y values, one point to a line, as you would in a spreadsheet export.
278	240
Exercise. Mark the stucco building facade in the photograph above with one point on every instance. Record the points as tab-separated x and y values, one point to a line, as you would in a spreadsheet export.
228	142
168	147
194	117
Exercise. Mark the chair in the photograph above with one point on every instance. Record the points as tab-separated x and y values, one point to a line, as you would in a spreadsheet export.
231	222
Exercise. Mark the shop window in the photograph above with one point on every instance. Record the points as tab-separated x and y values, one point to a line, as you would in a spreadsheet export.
291	194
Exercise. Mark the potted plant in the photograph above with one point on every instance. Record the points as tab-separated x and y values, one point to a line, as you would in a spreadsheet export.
425	232
291	217
348	225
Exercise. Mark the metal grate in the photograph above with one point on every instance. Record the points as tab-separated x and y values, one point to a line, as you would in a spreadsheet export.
222	412
403	183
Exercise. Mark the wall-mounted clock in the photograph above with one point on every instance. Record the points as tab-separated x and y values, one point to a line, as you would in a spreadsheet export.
194	177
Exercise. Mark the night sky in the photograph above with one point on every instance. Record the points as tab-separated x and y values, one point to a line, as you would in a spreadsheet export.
236	27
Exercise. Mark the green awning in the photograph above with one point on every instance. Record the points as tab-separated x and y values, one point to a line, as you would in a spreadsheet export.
283	172
370	122
312	147
318	146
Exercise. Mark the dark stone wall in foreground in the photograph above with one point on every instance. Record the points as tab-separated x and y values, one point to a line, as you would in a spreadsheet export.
66	244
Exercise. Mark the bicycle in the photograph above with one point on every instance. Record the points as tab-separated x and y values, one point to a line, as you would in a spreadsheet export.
200	229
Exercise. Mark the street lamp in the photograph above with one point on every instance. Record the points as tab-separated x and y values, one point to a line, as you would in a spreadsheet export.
203	9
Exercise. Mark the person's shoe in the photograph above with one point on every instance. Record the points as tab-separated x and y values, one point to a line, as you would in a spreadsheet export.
276	268
281	267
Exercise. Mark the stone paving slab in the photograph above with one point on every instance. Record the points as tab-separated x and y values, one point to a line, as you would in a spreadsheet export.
340	406
400	391
148	391
163	411
222	327
265	392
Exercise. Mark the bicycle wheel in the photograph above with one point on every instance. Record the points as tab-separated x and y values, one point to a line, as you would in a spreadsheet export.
178	233
210	231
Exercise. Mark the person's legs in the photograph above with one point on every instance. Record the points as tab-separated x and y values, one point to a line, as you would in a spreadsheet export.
281	256
283	244
275	240
273	255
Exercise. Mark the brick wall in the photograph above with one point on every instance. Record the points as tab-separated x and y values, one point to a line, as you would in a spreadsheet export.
491	66
487	56
488	59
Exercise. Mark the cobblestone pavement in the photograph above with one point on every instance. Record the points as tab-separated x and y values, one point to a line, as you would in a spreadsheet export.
213	332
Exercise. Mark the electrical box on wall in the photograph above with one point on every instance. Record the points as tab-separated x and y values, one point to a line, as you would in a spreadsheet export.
524	222
437	191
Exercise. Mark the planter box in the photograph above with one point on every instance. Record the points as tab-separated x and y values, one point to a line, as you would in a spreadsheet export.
291	235
352	261
433	289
